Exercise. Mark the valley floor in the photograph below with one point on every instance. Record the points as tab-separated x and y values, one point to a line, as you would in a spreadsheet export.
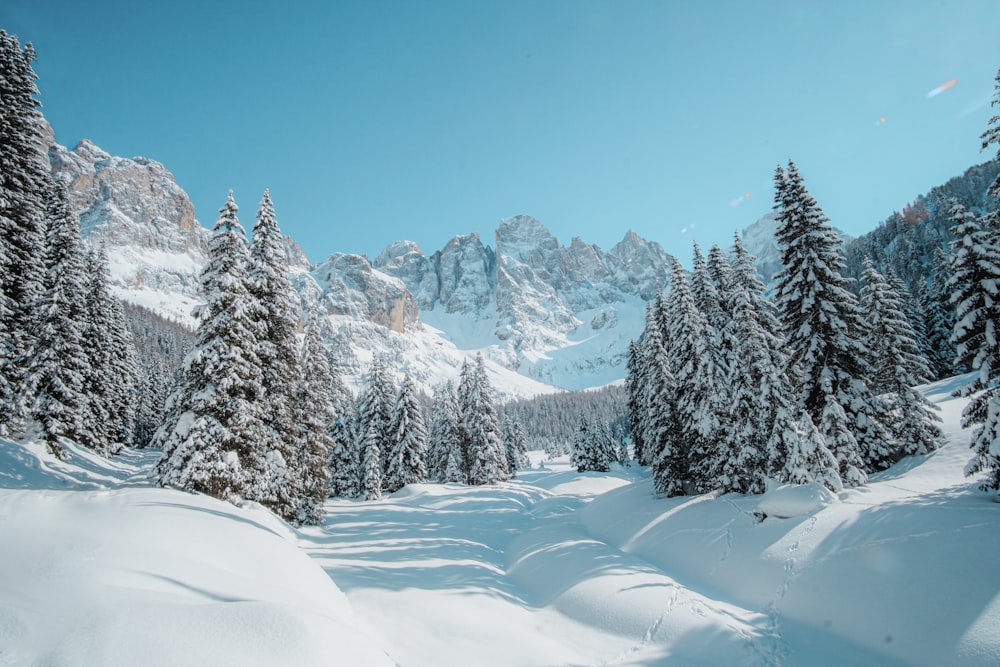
552	568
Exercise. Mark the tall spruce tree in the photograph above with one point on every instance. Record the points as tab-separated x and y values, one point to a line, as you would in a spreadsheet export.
822	322
55	380
976	283
276	316
486	458
375	414
113	362
898	365
314	413
407	442
443	435
24	195
212	439
515	443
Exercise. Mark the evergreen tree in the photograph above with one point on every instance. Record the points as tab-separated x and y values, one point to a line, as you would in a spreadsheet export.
443	436
635	386
345	459
276	316
375	414
486	457
55	382
581	453
839	439
515	445
822	322
212	438
113	363
898	364
699	409
371	463
939	319
976	282
313	411
25	192
407	442
809	460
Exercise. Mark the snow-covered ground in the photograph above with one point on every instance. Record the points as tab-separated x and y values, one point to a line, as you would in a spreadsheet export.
554	568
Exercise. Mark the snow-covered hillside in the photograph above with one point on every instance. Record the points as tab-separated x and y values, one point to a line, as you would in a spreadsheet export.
553	568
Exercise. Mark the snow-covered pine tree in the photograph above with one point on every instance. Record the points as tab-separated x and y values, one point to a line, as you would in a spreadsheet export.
486	457
314	413
443	434
375	413
212	439
809	460
345	459
54	383
635	388
939	319
839	438
24	194
700	411
763	425
898	365
822	322
621	445
975	281
664	450
515	445
113	363
276	316
371	462
407	442
581	452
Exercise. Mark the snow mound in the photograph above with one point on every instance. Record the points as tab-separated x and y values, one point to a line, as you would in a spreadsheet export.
788	501
143	576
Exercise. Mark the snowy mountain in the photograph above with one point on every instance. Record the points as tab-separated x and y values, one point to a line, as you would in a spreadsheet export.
544	315
551	568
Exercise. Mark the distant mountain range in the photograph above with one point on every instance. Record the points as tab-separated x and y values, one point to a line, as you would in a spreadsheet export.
545	316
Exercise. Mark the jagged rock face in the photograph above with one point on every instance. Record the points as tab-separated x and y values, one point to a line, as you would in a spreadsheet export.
137	210
466	277
354	288
404	260
639	266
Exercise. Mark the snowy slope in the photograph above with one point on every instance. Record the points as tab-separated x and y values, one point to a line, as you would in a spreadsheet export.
98	570
553	568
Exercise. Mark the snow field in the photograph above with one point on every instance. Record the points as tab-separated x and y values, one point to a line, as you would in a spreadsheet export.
552	568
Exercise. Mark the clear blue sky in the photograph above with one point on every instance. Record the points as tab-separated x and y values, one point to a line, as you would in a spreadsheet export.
379	120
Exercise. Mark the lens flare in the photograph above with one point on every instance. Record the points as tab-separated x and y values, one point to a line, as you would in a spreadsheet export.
880	121
950	83
736	202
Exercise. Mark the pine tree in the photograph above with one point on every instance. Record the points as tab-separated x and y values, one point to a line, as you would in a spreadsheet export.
25	191
699	409
486	458
314	413
822	322
345	459
939	319
976	282
839	439
898	364
443	436
407	442
113	363
635	387
515	445
276	317
375	413
55	381
581	453
212	438
371	463
809	460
